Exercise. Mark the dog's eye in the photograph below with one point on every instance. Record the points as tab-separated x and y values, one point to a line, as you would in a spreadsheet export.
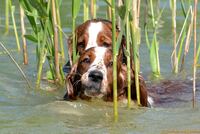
105	44
86	60
81	45
110	64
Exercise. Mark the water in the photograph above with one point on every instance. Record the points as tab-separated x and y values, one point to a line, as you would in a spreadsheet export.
23	110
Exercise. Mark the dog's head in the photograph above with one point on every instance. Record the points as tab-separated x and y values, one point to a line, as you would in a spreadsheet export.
92	33
92	76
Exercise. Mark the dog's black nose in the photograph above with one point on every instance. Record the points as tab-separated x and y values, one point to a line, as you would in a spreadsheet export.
96	76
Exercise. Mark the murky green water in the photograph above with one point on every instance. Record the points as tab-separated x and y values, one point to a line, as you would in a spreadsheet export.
23	110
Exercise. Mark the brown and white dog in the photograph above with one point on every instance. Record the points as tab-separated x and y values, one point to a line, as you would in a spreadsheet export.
92	77
93	33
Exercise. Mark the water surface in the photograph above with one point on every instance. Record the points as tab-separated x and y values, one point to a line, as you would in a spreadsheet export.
23	110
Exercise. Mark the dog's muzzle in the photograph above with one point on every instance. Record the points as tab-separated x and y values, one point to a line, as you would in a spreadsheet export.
93	87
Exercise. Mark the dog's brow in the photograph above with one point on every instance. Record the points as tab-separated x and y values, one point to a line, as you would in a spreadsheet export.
93	32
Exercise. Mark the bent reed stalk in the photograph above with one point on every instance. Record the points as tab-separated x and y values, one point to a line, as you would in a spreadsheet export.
17	65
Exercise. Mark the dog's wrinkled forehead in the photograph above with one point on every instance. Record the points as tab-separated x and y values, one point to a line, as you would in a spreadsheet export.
94	29
99	60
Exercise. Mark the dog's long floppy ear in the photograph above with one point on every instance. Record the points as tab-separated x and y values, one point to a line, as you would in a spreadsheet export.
143	89
122	54
70	78
122	80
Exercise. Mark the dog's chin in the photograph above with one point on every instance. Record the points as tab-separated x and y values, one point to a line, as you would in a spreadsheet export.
93	91
93	94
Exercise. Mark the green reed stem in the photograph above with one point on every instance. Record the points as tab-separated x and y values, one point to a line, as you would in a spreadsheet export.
12	8
7	4
85	10
75	9
60	32
188	38
128	55
135	40
198	52
41	54
114	47
154	55
14	61
152	13
109	10
182	36
93	9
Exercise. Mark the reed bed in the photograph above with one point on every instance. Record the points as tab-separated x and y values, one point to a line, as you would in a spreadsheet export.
44	18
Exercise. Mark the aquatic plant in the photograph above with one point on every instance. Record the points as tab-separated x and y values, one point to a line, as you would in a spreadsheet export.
128	48
12	9
75	9
93	8
175	59
154	46
115	53
85	10
7	5
45	35
135	37
23	33
195	51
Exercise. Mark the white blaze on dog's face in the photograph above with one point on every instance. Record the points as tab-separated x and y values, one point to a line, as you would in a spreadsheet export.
93	30
93	66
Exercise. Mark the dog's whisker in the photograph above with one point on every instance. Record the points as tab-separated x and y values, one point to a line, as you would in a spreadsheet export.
76	82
